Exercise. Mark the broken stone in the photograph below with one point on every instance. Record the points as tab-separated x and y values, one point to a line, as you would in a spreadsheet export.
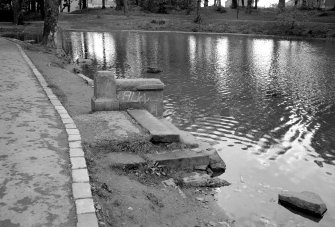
169	183
216	164
76	70
201	167
307	202
203	180
153	70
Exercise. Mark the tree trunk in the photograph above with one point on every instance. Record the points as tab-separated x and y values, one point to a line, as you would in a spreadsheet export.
84	4
234	4
17	7
125	7
198	18
256	3
295	3
118	4
281	4
206	3
33	6
304	4
249	3
242	3
103	4
50	22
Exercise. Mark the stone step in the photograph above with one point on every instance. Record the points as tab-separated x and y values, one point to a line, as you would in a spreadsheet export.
159	132
185	137
181	159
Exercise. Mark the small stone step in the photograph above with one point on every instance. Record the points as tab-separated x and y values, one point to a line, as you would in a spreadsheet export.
185	137
159	132
181	159
124	160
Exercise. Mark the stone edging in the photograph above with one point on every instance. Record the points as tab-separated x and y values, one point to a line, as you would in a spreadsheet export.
81	187
88	80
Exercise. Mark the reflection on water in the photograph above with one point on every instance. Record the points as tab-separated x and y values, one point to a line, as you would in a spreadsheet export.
269	103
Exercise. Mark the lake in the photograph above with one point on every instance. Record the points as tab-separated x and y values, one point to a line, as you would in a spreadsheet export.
268	103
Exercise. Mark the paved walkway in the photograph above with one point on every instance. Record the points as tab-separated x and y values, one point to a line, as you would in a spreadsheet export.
35	183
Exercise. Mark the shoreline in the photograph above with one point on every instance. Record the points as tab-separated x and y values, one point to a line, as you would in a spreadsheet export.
251	35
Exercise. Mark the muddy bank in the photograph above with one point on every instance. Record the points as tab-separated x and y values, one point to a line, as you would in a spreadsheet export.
125	196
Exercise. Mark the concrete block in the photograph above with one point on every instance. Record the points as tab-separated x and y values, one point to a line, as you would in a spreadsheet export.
152	101
158	131
67	121
180	159
87	220
70	126
80	175
76	152
104	85
104	104
75	144
74	138
81	190
85	206
78	162
72	131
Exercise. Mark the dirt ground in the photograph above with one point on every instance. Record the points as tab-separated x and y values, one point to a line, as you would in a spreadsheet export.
126	197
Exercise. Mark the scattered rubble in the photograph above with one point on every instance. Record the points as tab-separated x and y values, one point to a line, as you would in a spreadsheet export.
203	180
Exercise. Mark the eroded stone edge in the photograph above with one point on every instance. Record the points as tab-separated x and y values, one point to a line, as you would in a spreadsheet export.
83	206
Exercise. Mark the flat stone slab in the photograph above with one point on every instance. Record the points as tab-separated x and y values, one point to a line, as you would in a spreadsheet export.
307	202
180	159
158	131
144	84
107	126
185	137
124	160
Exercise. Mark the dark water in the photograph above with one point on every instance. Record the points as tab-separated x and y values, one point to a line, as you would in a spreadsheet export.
269	103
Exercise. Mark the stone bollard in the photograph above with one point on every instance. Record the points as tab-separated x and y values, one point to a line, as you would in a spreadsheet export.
105	97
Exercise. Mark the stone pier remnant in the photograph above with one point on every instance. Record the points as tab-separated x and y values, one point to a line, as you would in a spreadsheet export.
122	94
104	98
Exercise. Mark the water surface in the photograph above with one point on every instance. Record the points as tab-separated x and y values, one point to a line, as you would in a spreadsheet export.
269	104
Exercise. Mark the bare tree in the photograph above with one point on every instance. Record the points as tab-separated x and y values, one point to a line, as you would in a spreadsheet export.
50	22
234	4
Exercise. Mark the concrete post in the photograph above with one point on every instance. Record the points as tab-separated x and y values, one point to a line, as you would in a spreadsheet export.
105	97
